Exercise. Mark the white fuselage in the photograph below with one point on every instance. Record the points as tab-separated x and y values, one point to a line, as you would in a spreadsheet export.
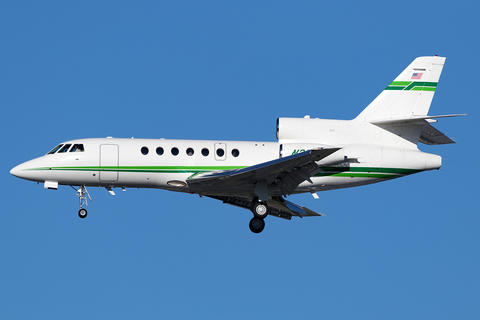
155	163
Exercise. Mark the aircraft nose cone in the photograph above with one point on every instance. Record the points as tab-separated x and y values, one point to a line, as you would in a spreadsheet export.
27	170
15	172
20	172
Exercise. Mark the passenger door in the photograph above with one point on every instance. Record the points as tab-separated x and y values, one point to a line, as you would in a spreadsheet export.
108	162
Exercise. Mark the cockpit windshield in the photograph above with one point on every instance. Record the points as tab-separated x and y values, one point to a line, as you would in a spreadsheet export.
65	148
55	149
62	148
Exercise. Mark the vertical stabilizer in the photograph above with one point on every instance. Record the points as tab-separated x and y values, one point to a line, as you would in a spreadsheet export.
410	94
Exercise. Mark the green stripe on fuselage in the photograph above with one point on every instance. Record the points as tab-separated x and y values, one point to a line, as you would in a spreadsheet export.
365	172
154	169
356	172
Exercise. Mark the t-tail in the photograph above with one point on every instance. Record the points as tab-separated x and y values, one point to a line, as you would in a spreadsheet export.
398	117
402	107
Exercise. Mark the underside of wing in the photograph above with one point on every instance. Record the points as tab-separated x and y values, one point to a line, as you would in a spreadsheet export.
273	178
279	207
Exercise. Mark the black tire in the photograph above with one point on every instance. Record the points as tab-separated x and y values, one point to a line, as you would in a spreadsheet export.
256	225
260	210
82	213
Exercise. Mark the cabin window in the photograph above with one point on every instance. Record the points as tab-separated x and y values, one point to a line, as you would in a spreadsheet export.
235	153
159	151
77	148
205	152
175	151
144	151
220	152
65	148
55	149
190	152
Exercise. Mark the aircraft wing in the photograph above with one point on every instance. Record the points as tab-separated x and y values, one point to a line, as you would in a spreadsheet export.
278	206
283	174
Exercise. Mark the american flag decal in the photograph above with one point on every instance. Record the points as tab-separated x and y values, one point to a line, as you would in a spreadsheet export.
417	75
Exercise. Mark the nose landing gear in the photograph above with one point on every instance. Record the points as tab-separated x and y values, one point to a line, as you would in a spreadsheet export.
82	194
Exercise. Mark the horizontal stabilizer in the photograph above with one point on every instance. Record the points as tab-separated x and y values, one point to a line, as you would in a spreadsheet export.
425	132
432	136
413	119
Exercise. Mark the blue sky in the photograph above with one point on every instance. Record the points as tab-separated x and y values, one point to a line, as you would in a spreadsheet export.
407	248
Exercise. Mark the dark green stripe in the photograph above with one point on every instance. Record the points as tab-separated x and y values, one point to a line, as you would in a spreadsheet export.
368	170
362	172
394	88
359	175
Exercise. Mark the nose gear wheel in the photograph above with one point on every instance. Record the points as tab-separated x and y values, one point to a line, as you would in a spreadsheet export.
82	213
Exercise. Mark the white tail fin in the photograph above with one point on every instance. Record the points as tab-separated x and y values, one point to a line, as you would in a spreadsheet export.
409	95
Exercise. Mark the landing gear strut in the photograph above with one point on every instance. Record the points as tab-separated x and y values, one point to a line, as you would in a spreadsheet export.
82	194
260	211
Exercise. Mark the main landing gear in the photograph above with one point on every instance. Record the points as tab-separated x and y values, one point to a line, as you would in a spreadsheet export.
256	225
82	194
260	211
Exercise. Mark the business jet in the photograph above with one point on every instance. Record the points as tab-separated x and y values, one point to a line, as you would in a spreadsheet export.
311	155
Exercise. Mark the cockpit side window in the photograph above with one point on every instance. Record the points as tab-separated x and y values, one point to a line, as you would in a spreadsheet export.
65	148
77	148
55	149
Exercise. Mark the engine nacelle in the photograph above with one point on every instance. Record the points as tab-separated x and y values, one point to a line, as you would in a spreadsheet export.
326	132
